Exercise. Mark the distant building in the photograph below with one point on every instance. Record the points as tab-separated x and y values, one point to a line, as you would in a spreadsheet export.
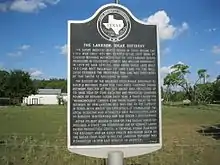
64	95
44	97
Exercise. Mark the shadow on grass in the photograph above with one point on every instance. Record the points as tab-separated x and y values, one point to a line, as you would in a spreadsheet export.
213	131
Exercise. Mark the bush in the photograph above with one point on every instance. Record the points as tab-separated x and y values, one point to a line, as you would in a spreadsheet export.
5	101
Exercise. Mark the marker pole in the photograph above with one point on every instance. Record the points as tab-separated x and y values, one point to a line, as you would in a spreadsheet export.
115	158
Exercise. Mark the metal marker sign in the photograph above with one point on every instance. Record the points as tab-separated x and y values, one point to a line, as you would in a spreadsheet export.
114	98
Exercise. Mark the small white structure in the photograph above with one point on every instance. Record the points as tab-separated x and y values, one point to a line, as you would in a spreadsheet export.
64	95
186	102
43	97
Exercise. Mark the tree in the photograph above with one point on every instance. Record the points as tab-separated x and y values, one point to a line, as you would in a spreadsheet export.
169	82
162	92
179	75
218	78
52	84
216	89
3	86
177	96
202	75
204	93
199	93
178	78
19	85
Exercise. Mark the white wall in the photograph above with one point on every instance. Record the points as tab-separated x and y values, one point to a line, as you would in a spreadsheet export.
48	99
41	99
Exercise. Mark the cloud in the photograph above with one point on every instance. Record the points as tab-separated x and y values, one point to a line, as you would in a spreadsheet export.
201	50
167	31
15	54
25	47
217	62
20	51
183	28
63	49
216	49
212	79
211	30
163	73
165	70
35	72
26	6
165	51
3	7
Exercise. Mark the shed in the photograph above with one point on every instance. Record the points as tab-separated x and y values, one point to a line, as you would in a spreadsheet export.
43	97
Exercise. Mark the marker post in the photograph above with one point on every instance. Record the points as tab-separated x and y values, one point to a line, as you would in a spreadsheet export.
115	158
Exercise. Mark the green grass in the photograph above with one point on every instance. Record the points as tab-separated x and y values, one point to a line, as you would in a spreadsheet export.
37	136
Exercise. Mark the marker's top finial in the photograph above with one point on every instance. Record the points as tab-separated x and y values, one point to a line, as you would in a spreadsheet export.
117	1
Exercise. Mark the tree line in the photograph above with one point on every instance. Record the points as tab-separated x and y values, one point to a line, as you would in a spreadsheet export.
52	84
16	84
199	92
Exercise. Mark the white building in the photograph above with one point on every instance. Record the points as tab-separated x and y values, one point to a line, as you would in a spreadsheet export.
44	97
64	95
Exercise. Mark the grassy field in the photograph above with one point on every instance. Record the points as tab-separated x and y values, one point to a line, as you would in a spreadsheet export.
37	136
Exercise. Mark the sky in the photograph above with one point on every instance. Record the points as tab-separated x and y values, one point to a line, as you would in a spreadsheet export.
33	33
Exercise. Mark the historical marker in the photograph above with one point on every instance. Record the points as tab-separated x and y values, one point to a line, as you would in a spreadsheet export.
113	84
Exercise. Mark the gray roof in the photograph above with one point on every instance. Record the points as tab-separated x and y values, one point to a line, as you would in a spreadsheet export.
49	91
